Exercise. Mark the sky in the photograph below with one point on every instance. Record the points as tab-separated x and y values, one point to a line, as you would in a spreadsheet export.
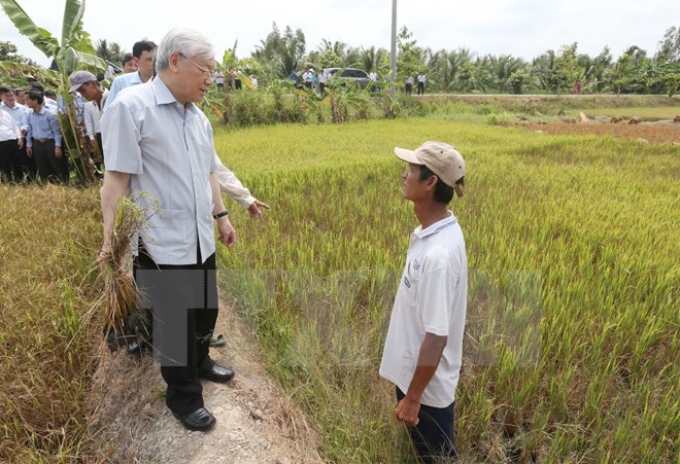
522	28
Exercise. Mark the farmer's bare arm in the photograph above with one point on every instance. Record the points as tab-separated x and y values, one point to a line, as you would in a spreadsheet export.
428	360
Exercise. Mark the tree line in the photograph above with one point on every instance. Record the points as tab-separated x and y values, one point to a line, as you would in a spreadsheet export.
463	71
454	71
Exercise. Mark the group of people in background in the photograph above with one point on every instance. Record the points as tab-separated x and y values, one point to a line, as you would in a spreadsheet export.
408	84
30	137
232	80
31	142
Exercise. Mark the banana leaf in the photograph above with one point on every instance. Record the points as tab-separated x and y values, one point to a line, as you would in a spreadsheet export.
73	20
20	70
41	38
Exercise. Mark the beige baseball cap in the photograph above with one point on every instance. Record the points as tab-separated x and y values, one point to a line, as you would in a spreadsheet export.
441	158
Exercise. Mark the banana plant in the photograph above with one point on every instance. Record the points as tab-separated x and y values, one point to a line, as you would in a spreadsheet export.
17	71
73	52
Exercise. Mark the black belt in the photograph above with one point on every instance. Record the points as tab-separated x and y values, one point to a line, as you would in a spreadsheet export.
42	140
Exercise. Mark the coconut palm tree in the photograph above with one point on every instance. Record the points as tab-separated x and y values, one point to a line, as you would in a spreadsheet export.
502	68
281	54
374	59
110	52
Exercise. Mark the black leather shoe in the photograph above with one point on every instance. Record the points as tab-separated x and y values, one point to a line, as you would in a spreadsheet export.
217	374
200	420
134	347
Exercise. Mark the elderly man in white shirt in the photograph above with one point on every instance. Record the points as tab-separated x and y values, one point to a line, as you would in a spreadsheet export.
159	152
229	183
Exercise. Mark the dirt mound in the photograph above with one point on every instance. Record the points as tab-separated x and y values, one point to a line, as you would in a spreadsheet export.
256	423
654	133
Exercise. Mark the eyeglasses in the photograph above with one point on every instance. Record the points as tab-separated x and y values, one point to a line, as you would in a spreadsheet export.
207	74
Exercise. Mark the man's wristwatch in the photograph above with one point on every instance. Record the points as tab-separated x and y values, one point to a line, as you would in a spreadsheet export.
222	214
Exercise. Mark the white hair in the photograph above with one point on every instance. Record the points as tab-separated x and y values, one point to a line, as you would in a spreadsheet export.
187	42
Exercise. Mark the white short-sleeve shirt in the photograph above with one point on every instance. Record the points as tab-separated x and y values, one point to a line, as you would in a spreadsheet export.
168	149
432	298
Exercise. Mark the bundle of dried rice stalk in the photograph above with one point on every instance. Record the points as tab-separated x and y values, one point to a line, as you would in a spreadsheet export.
121	295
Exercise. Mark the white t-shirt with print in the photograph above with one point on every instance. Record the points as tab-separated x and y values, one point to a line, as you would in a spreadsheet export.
432	297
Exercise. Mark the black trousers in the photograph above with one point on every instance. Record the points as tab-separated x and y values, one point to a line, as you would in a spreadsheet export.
184	295
49	167
9	157
421	88
15	166
408	88
433	437
30	167
99	159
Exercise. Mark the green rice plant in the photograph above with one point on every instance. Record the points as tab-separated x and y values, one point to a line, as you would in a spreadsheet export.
501	119
564	303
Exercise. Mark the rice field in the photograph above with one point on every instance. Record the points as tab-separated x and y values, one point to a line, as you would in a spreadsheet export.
573	325
573	321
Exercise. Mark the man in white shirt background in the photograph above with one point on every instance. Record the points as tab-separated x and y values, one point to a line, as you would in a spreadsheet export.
373	81
142	52
10	141
21	166
421	84
87	85
408	85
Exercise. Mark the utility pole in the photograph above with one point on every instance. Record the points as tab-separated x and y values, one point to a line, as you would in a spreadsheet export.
393	60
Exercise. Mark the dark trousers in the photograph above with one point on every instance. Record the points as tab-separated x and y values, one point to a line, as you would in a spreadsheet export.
433	437
49	167
30	167
15	166
186	294
408	88
421	88
99	158
10	170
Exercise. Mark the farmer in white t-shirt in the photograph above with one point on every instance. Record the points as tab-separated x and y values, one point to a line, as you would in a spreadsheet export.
424	344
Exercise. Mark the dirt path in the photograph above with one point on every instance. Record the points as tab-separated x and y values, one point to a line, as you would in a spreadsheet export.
652	132
256	424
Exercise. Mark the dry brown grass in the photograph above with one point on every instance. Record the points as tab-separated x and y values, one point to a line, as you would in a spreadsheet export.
49	237
654	133
115	266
